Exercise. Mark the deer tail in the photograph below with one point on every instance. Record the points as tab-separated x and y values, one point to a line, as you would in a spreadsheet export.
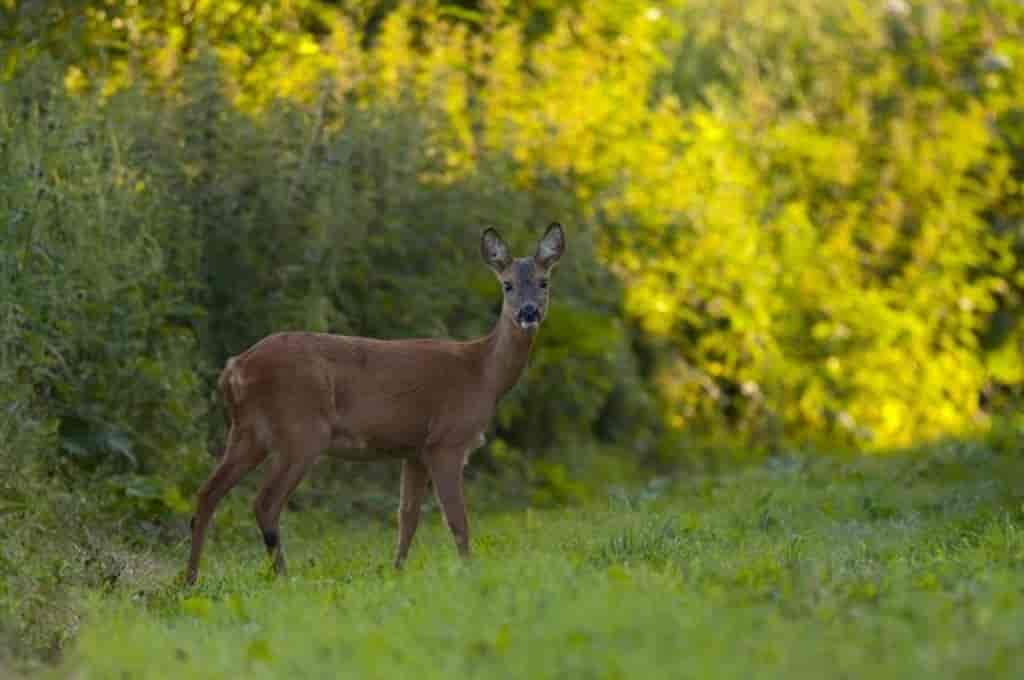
232	388
231	385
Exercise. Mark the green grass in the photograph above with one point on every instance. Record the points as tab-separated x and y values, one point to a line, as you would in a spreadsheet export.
903	567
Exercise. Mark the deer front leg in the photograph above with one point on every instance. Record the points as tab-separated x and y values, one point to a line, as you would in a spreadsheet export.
414	487
445	467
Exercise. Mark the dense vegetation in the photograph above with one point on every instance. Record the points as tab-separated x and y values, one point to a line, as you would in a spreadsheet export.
792	226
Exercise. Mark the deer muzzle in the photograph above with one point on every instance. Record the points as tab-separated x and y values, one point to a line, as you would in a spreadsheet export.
528	317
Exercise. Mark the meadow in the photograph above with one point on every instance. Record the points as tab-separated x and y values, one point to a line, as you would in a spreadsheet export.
798	567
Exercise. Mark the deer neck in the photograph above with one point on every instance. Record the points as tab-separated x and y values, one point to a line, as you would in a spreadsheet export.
507	350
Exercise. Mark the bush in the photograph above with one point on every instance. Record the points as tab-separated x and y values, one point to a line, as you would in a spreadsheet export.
91	294
157	235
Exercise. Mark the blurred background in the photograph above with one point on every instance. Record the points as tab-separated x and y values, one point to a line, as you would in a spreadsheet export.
793	225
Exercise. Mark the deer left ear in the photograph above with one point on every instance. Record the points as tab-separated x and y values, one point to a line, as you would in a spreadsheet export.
551	246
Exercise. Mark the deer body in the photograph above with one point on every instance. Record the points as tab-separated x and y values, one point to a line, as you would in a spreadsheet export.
378	399
425	402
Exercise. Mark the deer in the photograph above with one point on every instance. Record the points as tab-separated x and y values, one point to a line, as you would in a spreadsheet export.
294	396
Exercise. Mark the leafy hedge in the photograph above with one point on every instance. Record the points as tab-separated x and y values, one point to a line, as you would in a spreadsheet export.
154	236
789	222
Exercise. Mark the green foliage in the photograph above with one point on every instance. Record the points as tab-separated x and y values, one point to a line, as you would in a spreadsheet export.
814	206
338	219
90	297
823	256
154	235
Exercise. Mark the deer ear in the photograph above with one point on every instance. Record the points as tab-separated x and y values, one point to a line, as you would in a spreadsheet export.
551	246
494	251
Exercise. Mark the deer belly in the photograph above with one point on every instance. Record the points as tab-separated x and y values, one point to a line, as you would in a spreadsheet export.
348	445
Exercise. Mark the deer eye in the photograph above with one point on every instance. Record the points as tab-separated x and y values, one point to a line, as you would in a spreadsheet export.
543	283
508	286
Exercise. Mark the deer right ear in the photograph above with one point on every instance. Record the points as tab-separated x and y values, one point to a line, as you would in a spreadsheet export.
494	251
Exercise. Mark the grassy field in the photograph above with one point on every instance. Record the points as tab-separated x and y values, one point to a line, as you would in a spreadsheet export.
899	567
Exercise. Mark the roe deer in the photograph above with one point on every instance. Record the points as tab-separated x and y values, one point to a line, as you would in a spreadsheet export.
424	402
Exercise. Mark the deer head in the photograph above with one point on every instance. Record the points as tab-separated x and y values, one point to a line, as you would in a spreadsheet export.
524	279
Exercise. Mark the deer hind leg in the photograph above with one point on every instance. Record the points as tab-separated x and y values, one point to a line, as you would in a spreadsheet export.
414	487
296	452
446	471
242	453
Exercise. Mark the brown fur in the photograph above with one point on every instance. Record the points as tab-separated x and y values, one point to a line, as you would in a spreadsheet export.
424	402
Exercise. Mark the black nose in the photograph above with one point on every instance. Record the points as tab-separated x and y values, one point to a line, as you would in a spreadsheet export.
529	314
